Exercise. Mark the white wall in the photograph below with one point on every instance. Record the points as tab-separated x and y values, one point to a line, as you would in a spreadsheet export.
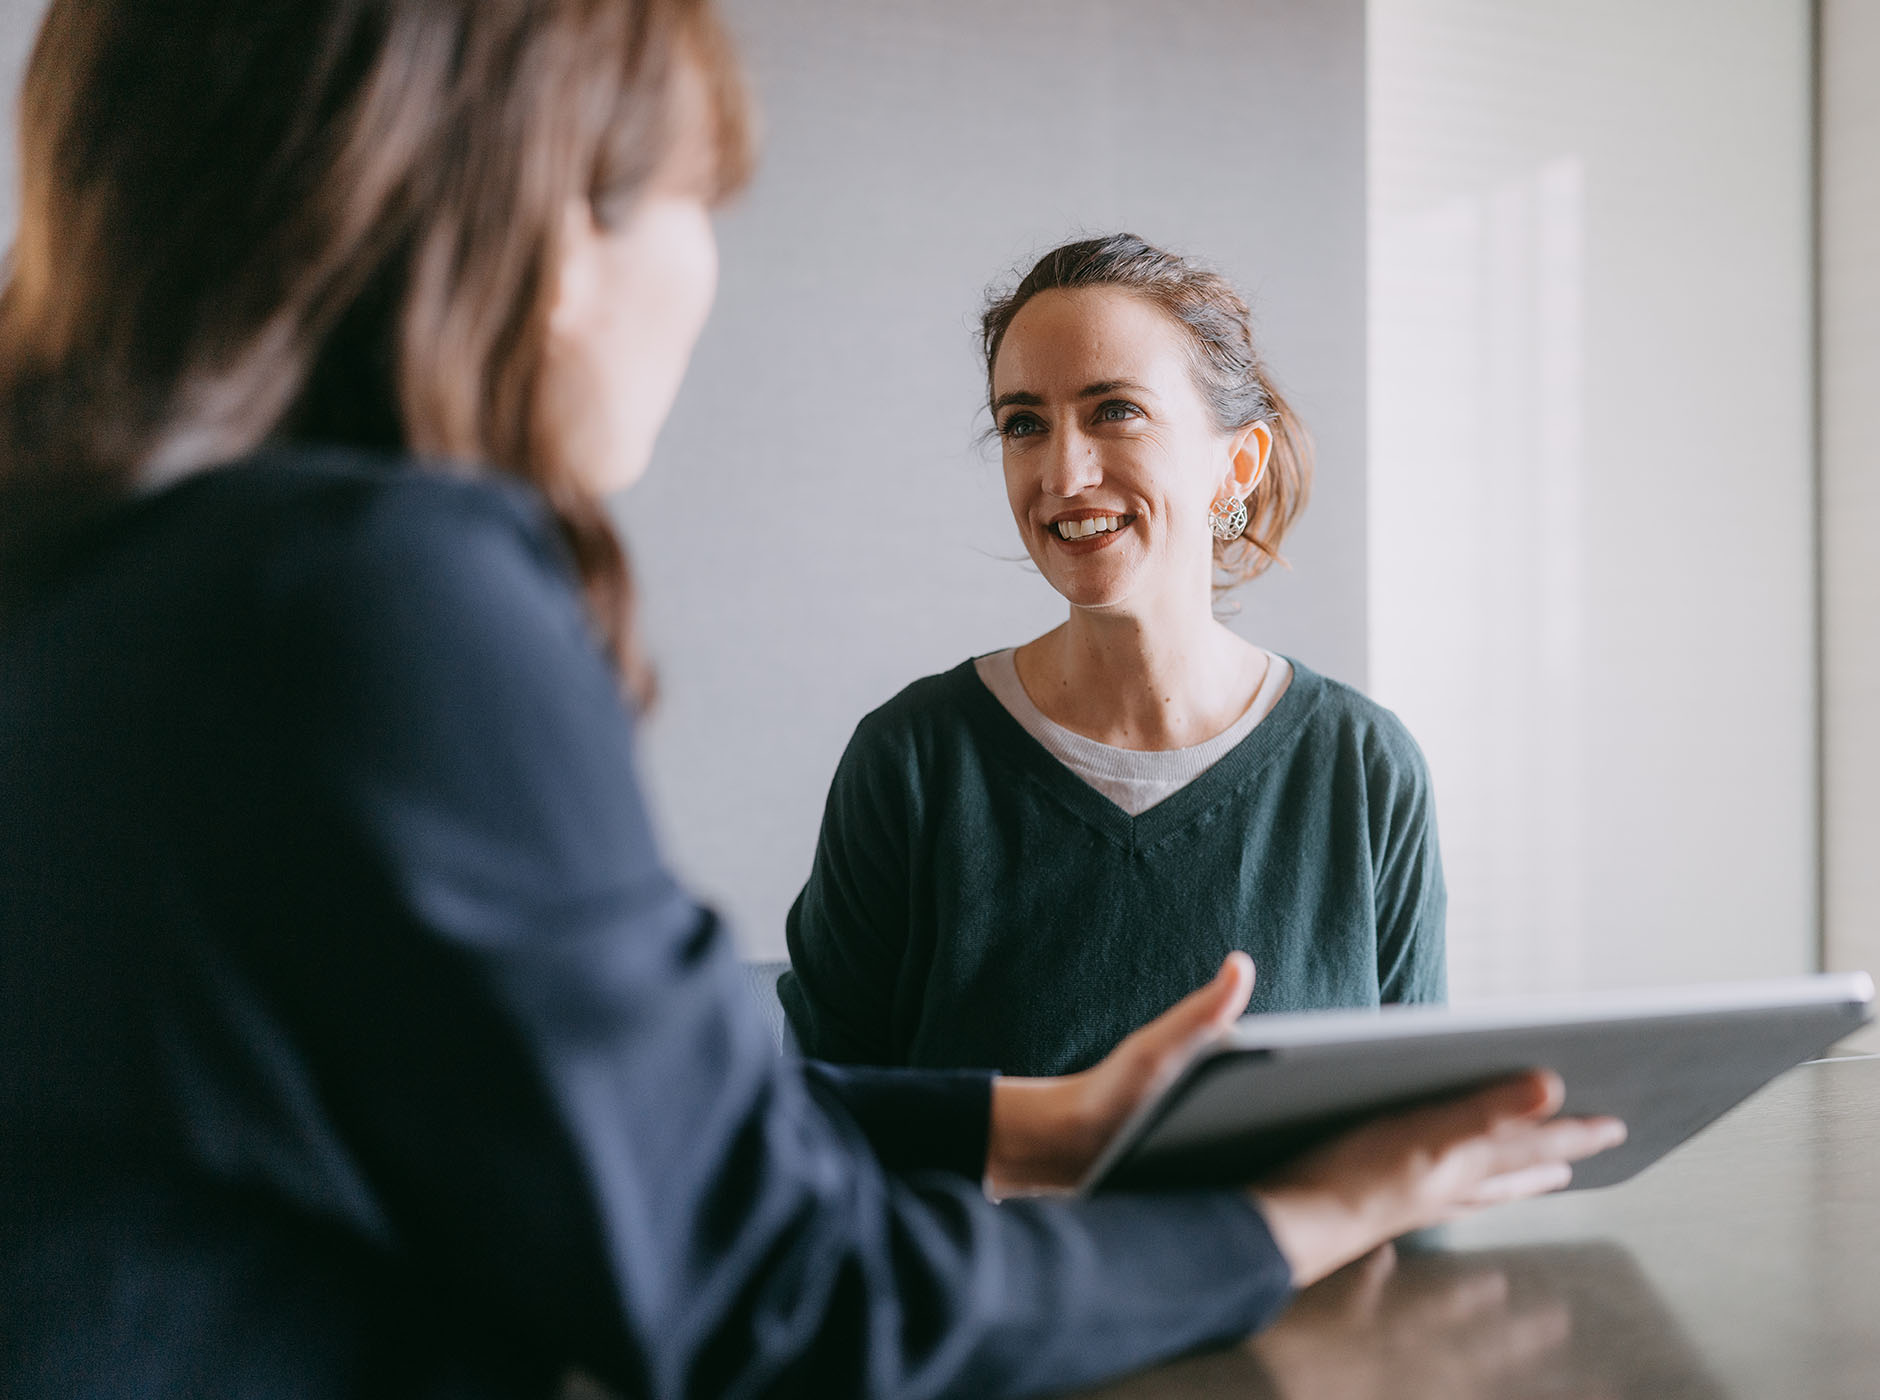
19	23
821	526
1850	486
1591	476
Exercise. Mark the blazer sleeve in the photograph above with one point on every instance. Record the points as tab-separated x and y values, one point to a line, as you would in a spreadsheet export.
914	1118
542	1063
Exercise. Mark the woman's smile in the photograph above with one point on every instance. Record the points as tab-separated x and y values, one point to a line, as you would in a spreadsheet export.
1084	532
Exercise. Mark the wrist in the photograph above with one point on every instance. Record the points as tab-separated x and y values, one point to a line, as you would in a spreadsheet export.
1042	1135
1316	1229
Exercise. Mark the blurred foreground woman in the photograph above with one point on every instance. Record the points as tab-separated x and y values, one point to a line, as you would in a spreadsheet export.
353	1038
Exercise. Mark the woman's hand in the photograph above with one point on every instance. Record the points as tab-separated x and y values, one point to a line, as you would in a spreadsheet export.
1047	1132
1420	1168
1335	1204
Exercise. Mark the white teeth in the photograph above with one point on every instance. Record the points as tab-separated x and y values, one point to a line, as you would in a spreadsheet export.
1080	529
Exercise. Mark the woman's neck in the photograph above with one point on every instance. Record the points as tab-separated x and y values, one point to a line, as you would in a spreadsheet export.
1138	683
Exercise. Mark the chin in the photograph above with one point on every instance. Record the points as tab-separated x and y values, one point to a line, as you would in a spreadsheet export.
1094	595
614	471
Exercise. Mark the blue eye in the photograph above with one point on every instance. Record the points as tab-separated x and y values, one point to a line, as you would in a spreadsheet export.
1117	411
1021	425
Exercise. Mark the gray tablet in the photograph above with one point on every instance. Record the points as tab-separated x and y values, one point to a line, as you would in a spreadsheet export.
1669	1062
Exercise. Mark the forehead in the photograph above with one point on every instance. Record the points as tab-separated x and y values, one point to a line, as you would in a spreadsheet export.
1062	340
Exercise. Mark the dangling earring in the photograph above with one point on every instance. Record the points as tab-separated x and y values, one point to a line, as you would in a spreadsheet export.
1227	517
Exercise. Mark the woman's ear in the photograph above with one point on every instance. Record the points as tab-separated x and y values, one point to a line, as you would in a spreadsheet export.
1248	454
577	246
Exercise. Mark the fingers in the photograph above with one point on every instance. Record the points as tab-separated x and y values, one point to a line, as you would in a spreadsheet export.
1536	1180
1148	1060
1219	1004
1558	1142
1499	1144
1532	1160
1535	1095
1208	1009
1238	973
1532	1097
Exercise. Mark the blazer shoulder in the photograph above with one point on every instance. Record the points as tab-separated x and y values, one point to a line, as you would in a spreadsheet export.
338	526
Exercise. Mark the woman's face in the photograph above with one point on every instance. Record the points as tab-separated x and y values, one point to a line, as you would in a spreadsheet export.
1112	458
631	299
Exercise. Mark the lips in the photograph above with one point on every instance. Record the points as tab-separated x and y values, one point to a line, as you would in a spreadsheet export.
1083	529
1086	530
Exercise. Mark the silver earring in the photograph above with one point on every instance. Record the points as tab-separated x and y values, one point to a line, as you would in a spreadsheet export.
1228	518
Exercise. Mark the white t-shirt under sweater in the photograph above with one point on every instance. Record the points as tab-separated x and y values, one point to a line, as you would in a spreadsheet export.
1134	779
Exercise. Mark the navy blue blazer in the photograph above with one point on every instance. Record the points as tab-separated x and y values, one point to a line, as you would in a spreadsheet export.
354	1039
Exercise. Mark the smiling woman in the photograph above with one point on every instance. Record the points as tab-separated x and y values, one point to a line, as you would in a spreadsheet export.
1025	856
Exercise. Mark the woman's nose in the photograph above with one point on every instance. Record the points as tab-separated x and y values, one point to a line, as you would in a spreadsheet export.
1072	467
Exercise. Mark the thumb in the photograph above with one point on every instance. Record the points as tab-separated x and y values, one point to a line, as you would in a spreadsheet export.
1208	1009
1229	992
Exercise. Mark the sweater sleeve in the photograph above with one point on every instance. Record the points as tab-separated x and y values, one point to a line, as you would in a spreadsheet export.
847	931
1411	898
541	1061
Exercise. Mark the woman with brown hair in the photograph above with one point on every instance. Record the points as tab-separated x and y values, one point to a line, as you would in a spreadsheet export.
353	1038
1024	858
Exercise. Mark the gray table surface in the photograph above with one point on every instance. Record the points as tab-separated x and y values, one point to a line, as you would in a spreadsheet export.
1744	1266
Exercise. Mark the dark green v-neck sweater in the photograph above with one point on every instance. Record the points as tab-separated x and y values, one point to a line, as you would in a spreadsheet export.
975	903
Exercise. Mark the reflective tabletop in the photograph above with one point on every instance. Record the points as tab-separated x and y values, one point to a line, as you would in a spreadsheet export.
1745	1265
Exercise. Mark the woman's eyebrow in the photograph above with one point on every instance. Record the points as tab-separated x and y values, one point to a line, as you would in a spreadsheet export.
1111	386
1028	399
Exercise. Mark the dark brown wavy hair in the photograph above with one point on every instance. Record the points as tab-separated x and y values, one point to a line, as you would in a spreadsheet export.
1228	370
246	221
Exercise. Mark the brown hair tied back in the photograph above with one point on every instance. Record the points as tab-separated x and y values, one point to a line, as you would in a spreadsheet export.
1227	369
323	221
